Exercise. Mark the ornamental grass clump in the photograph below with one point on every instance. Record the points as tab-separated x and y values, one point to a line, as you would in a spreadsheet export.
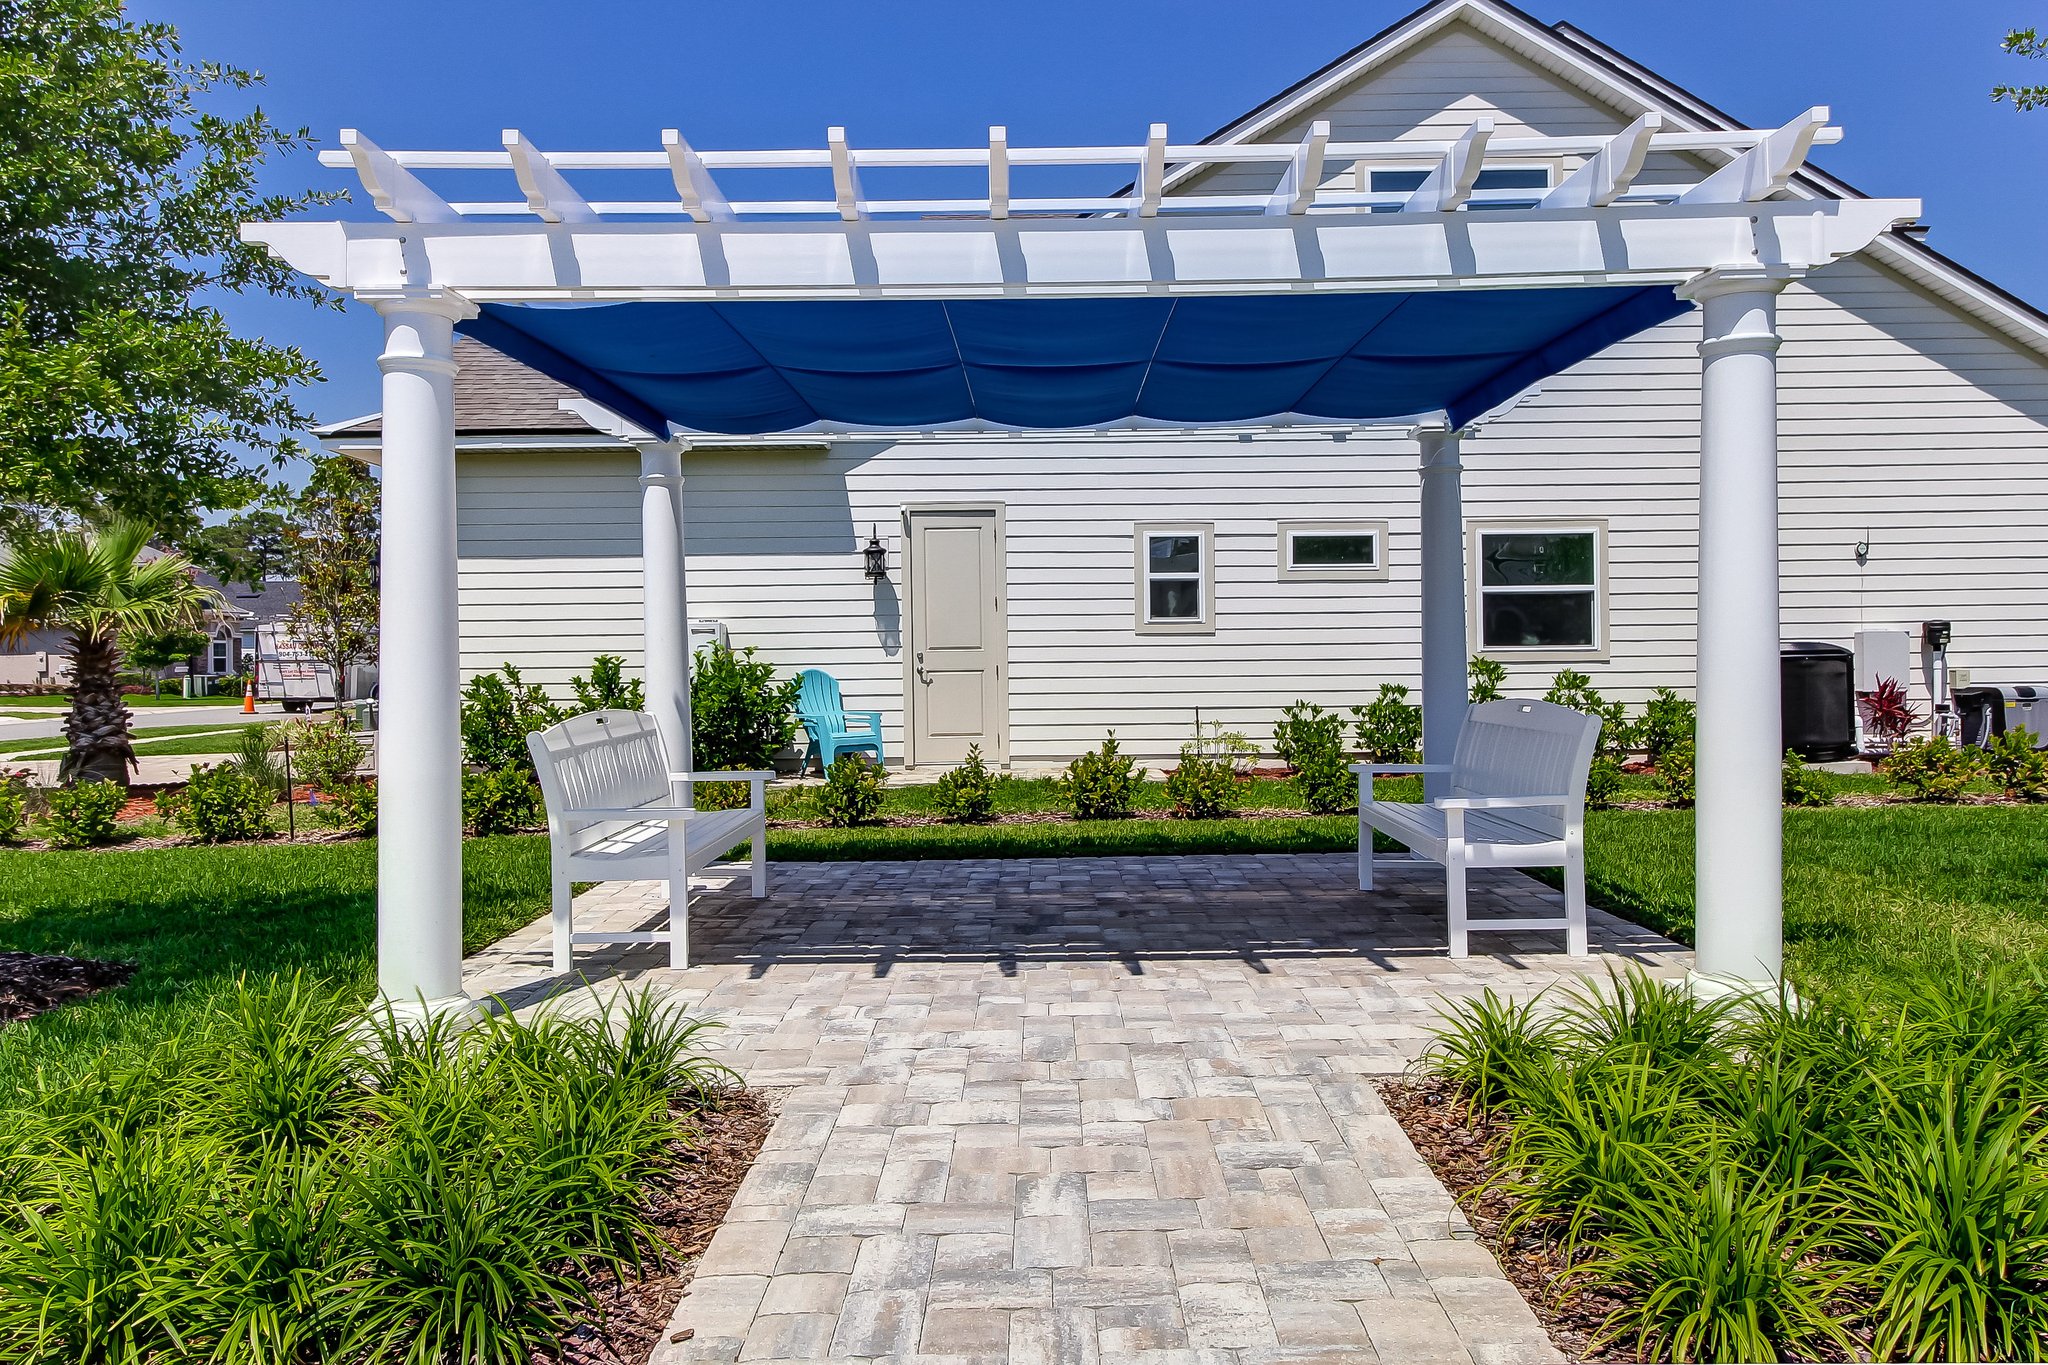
1856	1176
274	1184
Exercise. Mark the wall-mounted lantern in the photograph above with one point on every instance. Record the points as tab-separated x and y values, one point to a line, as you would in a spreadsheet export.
875	558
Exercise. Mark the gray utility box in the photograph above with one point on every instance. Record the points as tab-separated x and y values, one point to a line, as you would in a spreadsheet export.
1989	711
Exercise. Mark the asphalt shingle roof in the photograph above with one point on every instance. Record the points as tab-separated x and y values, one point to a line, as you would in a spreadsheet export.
494	395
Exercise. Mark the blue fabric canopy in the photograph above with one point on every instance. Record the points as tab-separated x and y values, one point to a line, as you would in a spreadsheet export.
758	367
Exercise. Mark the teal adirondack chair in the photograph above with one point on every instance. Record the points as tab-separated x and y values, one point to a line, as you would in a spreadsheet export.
825	719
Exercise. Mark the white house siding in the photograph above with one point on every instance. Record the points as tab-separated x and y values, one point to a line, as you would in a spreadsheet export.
1902	421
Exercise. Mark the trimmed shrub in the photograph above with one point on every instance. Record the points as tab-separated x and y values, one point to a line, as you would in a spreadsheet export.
852	794
1202	785
1100	785
83	815
1484	677
1669	720
1603	781
325	753
720	795
1617	735
608	688
499	710
13	805
501	801
1316	738
1933	769
223	802
2012	761
968	792
351	806
1301	723
1806	786
1675	773
740	717
1389	727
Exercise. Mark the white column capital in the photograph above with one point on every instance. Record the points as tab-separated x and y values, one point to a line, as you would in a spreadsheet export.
419	330
1737	279
661	463
432	302
1441	448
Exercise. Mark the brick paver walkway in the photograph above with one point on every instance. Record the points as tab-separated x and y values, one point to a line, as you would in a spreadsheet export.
1103	1109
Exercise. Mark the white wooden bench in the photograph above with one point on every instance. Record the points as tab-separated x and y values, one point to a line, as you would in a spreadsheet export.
614	810
1517	799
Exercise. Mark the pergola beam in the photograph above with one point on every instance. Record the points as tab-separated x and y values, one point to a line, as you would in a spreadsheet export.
1764	169
1609	172
998	172
699	194
398	194
1152	172
846	196
547	193
1451	183
1304	174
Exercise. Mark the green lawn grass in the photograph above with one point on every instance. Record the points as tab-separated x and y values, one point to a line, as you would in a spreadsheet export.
58	700
227	735
192	919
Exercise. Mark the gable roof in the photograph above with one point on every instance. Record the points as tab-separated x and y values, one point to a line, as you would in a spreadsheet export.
1590	66
494	395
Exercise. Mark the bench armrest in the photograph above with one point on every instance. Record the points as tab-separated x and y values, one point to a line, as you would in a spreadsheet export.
1498	802
722	777
630	812
1362	769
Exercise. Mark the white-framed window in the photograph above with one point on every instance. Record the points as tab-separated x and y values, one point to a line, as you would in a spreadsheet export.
219	663
1176	577
1540	588
1492	190
1355	550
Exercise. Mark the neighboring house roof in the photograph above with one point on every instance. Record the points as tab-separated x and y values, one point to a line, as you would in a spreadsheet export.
253	604
494	394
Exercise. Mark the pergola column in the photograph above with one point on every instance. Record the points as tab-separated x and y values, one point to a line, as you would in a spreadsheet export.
1444	688
665	598
1740	858
419	740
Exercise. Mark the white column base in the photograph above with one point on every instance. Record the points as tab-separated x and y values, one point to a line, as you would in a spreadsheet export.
1710	988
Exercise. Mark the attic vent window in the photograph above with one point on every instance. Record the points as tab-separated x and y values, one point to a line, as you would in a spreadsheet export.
1486	191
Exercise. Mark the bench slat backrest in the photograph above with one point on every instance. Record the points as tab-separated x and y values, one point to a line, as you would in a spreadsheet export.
1515	747
818	700
600	758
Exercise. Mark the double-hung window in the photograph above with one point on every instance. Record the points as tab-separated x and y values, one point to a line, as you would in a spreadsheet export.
1176	577
1541	588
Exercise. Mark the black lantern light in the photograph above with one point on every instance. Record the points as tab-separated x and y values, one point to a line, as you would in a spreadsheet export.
874	557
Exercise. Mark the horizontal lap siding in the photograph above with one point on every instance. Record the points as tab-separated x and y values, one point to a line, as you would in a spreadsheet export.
1900	419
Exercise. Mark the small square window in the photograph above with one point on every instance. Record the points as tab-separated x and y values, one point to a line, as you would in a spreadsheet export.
1541	589
1175	578
1333	549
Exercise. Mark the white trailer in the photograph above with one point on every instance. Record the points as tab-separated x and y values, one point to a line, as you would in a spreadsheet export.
286	673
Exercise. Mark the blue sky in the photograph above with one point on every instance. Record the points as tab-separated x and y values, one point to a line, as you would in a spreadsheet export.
1909	82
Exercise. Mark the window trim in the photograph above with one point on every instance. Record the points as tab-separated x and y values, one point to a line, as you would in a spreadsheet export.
1285	532
1362	172
1141	543
1475	533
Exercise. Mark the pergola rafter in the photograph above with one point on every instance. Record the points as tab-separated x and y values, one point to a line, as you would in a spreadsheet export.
692	313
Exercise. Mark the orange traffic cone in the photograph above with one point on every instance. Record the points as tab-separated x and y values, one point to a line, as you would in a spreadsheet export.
249	697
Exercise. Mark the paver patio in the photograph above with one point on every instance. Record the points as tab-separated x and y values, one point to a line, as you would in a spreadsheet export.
1097	1109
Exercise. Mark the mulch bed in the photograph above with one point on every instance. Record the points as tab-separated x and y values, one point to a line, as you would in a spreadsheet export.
31	983
1458	1147
686	1209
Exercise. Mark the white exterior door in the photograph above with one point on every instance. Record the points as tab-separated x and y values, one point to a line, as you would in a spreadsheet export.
958	696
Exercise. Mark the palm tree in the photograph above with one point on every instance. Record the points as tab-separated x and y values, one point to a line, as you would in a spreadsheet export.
91	586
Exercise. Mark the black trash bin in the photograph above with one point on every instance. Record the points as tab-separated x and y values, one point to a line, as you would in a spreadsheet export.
1817	683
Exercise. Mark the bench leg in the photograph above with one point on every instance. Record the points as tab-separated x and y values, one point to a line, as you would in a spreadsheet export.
1575	904
758	847
679	920
564	922
1454	902
1364	857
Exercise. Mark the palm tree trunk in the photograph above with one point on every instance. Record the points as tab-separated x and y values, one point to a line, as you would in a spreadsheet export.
97	728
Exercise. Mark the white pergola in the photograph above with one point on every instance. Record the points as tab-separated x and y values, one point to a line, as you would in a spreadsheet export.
1721	241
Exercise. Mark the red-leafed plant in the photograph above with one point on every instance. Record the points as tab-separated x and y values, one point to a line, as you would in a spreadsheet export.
1888	713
